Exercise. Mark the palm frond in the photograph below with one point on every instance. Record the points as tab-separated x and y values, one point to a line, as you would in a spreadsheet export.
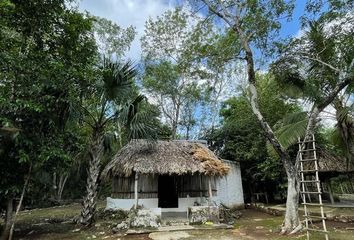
291	128
139	124
288	78
117	79
133	108
141	127
346	113
337	140
108	140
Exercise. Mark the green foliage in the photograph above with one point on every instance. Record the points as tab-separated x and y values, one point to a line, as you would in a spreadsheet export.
291	128
175	93
56	93
259	21
174	75
162	78
241	137
46	49
112	39
311	66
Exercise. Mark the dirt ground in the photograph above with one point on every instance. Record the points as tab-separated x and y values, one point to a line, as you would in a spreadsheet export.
55	224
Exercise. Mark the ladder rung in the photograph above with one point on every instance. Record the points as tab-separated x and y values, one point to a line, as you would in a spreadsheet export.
309	160
310	181
316	230
308	171
308	141
307	150
312	204
310	192
317	217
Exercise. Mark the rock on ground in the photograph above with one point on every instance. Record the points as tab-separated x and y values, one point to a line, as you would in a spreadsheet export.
202	214
168	235
142	218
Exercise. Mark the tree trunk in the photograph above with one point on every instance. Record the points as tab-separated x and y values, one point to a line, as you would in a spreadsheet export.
8	220
136	199
292	221
176	120
89	205
18	208
54	186
330	192
345	126
174	129
187	132
61	185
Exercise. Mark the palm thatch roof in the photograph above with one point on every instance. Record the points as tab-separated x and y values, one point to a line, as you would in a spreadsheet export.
165	157
330	163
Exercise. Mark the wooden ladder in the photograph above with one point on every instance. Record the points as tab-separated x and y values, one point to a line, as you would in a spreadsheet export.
310	184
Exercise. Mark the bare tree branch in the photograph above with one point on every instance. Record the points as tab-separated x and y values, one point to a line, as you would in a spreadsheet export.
332	95
217	13
322	62
226	13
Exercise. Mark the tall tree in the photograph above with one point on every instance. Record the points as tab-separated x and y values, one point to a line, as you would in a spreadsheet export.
46	51
242	139
174	94
172	77
255	23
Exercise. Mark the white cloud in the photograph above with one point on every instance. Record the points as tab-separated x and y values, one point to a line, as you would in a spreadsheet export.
327	116
126	13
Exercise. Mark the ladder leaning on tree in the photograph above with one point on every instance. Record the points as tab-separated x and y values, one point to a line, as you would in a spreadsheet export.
311	185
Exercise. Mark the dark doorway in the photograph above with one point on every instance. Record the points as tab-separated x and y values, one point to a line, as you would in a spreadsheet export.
167	192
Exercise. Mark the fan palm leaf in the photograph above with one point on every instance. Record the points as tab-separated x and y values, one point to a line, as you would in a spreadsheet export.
117	79
137	122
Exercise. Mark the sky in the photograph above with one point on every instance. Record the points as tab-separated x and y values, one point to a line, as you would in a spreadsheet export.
136	12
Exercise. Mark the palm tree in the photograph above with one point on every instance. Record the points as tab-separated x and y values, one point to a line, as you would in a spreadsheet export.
112	100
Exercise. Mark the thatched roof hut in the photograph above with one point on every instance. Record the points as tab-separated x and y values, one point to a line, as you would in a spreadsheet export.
329	166
328	163
165	158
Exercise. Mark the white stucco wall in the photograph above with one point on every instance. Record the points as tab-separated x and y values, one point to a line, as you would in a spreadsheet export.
126	204
229	187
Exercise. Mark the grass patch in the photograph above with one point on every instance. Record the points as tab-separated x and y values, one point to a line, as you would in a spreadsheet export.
54	224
